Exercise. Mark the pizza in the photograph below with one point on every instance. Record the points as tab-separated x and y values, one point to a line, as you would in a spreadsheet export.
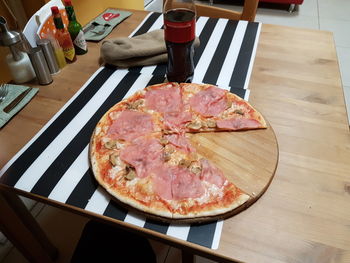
140	150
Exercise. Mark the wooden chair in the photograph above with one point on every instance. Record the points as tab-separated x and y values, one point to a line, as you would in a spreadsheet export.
248	13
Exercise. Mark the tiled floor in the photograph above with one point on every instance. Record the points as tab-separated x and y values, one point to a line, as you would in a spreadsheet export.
64	228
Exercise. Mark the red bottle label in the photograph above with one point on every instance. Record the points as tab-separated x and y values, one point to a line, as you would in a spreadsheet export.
179	32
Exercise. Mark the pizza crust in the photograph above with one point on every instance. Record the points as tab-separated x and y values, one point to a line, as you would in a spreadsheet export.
243	198
146	200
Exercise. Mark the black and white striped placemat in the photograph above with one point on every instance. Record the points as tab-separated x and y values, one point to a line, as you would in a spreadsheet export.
54	164
226	53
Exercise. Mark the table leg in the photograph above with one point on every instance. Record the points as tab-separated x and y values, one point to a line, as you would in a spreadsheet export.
187	257
19	226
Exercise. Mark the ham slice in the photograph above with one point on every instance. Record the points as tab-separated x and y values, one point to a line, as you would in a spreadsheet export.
180	141
176	183
177	120
144	154
185	184
238	124
130	125
212	174
162	181
209	102
168	100
165	99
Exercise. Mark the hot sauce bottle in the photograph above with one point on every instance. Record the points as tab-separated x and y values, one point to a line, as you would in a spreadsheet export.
63	37
75	30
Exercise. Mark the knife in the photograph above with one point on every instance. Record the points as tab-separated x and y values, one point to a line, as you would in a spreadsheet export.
17	100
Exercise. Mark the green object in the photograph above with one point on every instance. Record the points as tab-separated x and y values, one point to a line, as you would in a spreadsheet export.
13	92
58	22
76	32
101	26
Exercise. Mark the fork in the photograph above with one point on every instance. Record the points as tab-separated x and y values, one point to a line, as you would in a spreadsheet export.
3	91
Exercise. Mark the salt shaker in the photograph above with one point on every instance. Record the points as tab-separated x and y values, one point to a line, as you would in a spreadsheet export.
18	62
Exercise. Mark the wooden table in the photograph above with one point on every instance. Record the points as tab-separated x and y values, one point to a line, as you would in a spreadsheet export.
304	216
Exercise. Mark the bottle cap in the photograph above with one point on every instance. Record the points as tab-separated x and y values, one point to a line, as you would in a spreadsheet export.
54	10
67	2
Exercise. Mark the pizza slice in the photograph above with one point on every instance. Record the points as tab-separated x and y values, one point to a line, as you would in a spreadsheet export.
167	99
127	172
162	174
199	188
215	109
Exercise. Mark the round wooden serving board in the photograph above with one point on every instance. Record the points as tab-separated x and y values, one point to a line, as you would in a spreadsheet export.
247	158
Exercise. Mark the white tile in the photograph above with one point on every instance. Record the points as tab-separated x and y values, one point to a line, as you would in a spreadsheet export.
344	64
15	256
281	17
5	245
161	250
29	203
227	5
146	2
155	6
305	17
203	260
336	9
174	256
347	100
340	29
62	228
308	8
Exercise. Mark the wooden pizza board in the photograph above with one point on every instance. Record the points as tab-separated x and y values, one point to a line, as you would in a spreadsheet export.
247	158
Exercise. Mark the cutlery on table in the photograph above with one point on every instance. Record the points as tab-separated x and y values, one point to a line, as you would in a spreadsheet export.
94	25
3	92
17	100
90	27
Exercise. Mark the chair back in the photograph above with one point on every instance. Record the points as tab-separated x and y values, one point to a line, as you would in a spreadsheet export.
32	26
248	13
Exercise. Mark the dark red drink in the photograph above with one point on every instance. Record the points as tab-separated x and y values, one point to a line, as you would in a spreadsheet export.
179	33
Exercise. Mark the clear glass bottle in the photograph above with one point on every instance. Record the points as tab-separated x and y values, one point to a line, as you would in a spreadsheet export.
179	34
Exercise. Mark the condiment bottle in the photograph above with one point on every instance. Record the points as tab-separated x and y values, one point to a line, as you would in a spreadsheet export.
18	62
75	30
57	49
179	35
63	37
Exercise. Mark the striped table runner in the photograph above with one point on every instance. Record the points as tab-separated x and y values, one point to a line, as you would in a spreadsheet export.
54	164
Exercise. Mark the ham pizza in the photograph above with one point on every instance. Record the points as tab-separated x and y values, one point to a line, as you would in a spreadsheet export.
141	153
